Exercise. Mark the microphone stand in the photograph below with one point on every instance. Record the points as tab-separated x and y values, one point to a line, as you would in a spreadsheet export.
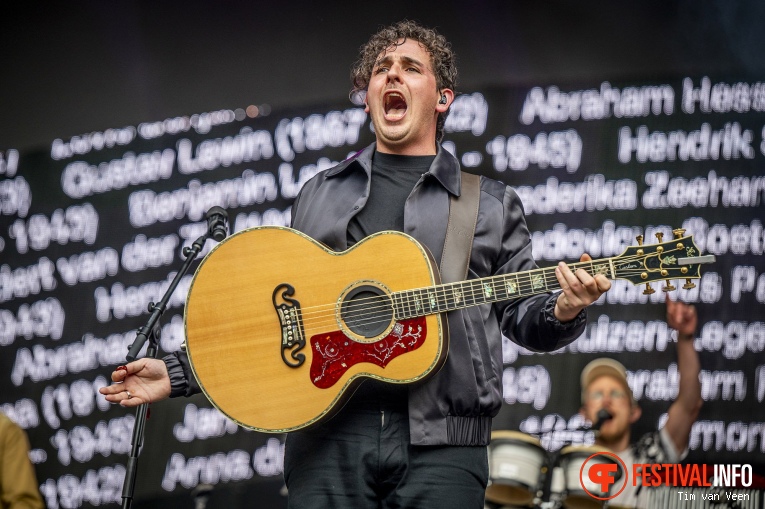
544	498
151	332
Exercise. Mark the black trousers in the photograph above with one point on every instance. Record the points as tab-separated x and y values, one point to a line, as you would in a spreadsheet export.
362	459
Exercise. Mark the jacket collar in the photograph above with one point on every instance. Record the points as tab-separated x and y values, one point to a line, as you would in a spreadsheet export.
362	157
445	167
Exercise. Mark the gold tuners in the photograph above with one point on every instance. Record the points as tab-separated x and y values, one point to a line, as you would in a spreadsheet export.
665	253
639	239
667	287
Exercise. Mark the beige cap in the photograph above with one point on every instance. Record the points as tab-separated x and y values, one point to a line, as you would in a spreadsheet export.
605	367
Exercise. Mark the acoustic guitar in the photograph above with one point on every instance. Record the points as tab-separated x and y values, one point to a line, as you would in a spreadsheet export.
280	330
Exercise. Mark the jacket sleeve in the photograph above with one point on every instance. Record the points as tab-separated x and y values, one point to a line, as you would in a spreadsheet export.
182	381
293	208
529	322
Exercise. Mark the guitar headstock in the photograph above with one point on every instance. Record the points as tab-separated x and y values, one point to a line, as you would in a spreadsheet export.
664	261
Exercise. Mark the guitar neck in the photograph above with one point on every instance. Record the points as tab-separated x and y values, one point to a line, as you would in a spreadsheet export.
474	292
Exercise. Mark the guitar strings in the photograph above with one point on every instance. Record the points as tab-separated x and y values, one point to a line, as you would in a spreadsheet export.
472	293
409	303
548	272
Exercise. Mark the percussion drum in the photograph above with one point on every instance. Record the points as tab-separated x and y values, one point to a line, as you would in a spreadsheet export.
517	464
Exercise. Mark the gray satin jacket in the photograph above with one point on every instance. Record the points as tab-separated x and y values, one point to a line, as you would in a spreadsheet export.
456	405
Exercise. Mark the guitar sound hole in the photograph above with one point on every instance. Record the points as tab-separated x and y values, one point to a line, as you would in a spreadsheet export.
367	311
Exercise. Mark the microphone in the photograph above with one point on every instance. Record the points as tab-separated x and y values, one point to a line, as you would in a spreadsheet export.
602	416
216	223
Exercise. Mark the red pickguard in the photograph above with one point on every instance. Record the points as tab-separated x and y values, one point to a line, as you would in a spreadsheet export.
334	353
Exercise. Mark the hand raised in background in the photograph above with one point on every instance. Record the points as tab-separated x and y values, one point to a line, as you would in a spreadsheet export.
682	317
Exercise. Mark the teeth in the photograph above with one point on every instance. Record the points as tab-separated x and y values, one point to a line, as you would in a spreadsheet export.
392	97
395	104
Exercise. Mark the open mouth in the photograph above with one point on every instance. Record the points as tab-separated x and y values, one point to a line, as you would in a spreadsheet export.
394	105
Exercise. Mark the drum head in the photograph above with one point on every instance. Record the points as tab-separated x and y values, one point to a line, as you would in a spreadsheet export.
516	465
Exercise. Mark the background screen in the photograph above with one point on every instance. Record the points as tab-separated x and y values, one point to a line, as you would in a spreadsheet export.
92	226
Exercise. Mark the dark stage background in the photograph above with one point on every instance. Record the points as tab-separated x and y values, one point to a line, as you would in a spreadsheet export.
123	123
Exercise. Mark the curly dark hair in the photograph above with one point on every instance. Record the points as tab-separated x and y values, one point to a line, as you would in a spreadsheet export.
442	58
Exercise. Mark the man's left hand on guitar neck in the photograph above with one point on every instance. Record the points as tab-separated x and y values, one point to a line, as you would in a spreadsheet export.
580	289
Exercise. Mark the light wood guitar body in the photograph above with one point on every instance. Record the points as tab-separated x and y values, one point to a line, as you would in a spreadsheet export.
234	336
280	330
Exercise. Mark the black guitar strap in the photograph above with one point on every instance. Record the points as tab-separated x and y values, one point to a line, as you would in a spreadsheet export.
463	214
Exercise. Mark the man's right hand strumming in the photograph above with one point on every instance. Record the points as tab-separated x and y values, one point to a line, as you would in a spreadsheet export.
138	382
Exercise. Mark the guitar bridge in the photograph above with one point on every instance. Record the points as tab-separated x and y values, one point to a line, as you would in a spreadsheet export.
288	312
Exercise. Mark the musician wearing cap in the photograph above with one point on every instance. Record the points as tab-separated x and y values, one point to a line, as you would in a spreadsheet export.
608	402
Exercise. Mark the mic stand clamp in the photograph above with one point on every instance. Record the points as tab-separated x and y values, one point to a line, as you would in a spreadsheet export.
151	332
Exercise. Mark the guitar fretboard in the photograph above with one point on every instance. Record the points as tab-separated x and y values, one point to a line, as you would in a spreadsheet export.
474	292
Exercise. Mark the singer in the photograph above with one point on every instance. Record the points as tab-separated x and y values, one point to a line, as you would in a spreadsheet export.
608	402
396	445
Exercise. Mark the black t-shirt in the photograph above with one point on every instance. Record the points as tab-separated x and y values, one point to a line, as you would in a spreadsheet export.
393	178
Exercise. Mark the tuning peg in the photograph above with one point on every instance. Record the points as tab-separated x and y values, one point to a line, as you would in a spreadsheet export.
660	237
639	239
679	232
648	290
688	285
669	287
